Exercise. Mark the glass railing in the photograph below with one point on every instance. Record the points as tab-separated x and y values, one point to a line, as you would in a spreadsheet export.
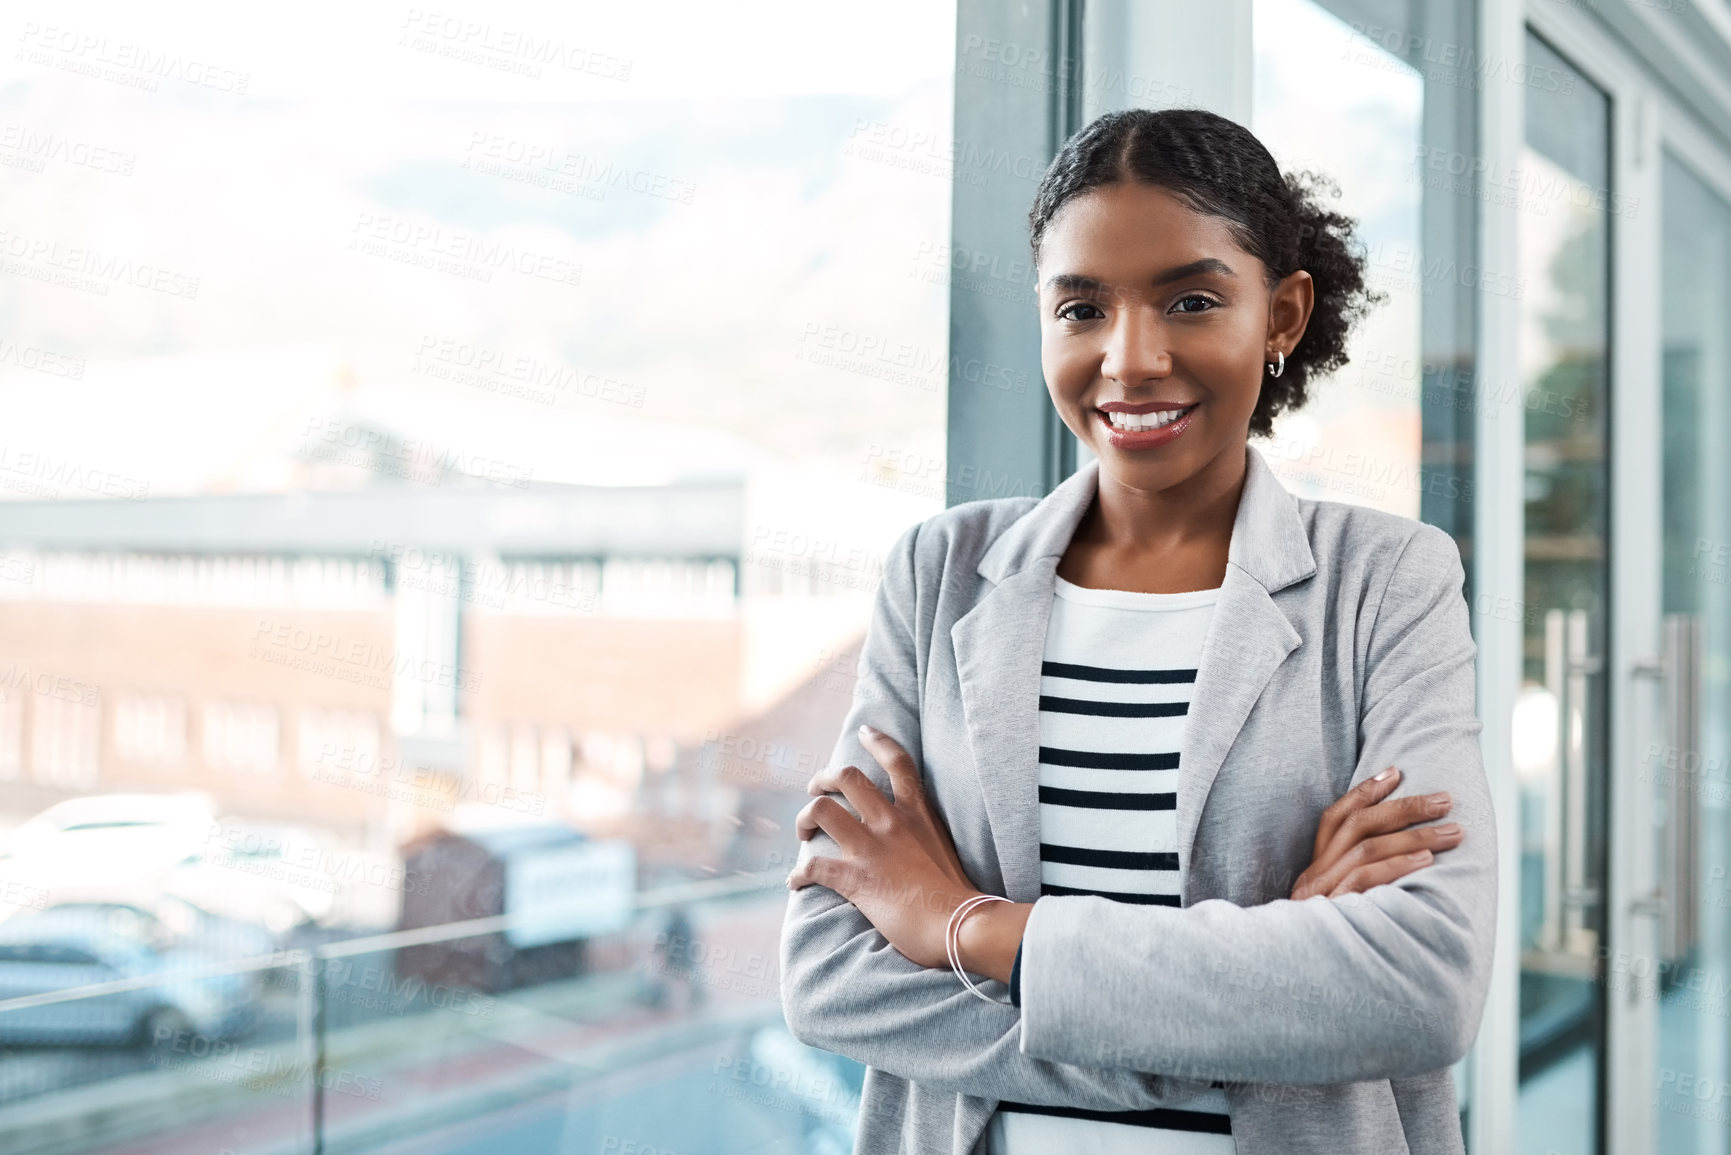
666	1036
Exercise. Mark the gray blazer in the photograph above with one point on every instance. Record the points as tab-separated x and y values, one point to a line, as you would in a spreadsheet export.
1339	646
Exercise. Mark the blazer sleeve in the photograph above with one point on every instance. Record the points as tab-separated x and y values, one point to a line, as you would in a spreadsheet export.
845	989
1386	984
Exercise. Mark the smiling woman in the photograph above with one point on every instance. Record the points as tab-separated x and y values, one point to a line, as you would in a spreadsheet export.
1163	753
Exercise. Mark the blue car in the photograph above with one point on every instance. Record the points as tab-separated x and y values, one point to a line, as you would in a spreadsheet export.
64	948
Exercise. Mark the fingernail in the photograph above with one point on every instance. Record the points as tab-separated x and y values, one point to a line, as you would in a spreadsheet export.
1384	776
1437	803
1419	857
1448	829
866	731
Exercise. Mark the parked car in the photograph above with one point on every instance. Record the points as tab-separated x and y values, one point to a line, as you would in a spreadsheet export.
272	876
101	833
168	921
63	948
276	876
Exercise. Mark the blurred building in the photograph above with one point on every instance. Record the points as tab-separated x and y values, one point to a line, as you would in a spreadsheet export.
374	658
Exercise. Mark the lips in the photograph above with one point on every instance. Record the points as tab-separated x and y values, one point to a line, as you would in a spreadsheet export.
1172	420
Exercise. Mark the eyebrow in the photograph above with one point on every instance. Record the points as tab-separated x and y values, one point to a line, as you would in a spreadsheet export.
1076	283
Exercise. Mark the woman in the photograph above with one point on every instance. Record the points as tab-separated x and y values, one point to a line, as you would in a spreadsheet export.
1199	733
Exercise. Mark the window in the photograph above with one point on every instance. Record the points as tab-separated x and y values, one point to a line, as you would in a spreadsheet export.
11	734
240	736
466	425
65	739
150	728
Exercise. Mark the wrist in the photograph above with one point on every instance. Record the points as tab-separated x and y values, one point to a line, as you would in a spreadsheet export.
989	937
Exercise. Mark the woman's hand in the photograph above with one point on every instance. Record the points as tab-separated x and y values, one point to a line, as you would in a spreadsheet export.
899	866
1363	841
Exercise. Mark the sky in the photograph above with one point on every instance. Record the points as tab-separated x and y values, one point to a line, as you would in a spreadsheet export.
547	236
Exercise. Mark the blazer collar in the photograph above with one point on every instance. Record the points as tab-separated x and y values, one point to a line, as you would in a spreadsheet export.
1268	536
999	645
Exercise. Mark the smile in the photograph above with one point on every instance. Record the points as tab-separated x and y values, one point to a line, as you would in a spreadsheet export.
1145	430
1136	422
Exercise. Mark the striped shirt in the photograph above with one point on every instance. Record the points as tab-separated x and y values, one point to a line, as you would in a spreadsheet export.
1115	689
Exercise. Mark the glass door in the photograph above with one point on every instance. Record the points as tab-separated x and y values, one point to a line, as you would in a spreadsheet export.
1686	763
1560	715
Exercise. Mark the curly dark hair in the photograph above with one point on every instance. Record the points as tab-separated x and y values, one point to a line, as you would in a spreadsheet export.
1218	167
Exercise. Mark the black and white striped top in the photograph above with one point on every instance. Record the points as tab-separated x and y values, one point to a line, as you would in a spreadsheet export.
1115	690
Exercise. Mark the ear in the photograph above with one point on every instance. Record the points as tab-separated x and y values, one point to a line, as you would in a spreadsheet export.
1289	308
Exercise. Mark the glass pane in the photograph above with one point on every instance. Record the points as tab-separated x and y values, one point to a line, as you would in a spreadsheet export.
446	462
1358	437
1559	721
1389	119
1688	766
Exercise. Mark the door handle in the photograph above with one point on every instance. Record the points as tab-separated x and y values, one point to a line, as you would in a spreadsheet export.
1570	890
1677	670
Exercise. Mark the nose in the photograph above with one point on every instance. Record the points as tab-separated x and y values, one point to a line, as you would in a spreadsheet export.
1136	350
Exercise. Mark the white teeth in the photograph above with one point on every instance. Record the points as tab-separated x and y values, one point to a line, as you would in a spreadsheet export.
1134	422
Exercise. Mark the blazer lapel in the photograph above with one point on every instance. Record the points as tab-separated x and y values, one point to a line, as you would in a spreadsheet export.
1000	643
1248	638
998	646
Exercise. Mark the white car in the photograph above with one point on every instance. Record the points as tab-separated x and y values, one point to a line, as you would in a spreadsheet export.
177	844
99	834
276	876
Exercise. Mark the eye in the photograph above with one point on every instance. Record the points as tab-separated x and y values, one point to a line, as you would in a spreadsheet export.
1194	298
1067	312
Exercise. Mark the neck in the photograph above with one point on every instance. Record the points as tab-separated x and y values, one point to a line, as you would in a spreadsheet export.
1200	509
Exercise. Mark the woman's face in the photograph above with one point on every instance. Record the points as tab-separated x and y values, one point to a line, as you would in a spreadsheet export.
1149	309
